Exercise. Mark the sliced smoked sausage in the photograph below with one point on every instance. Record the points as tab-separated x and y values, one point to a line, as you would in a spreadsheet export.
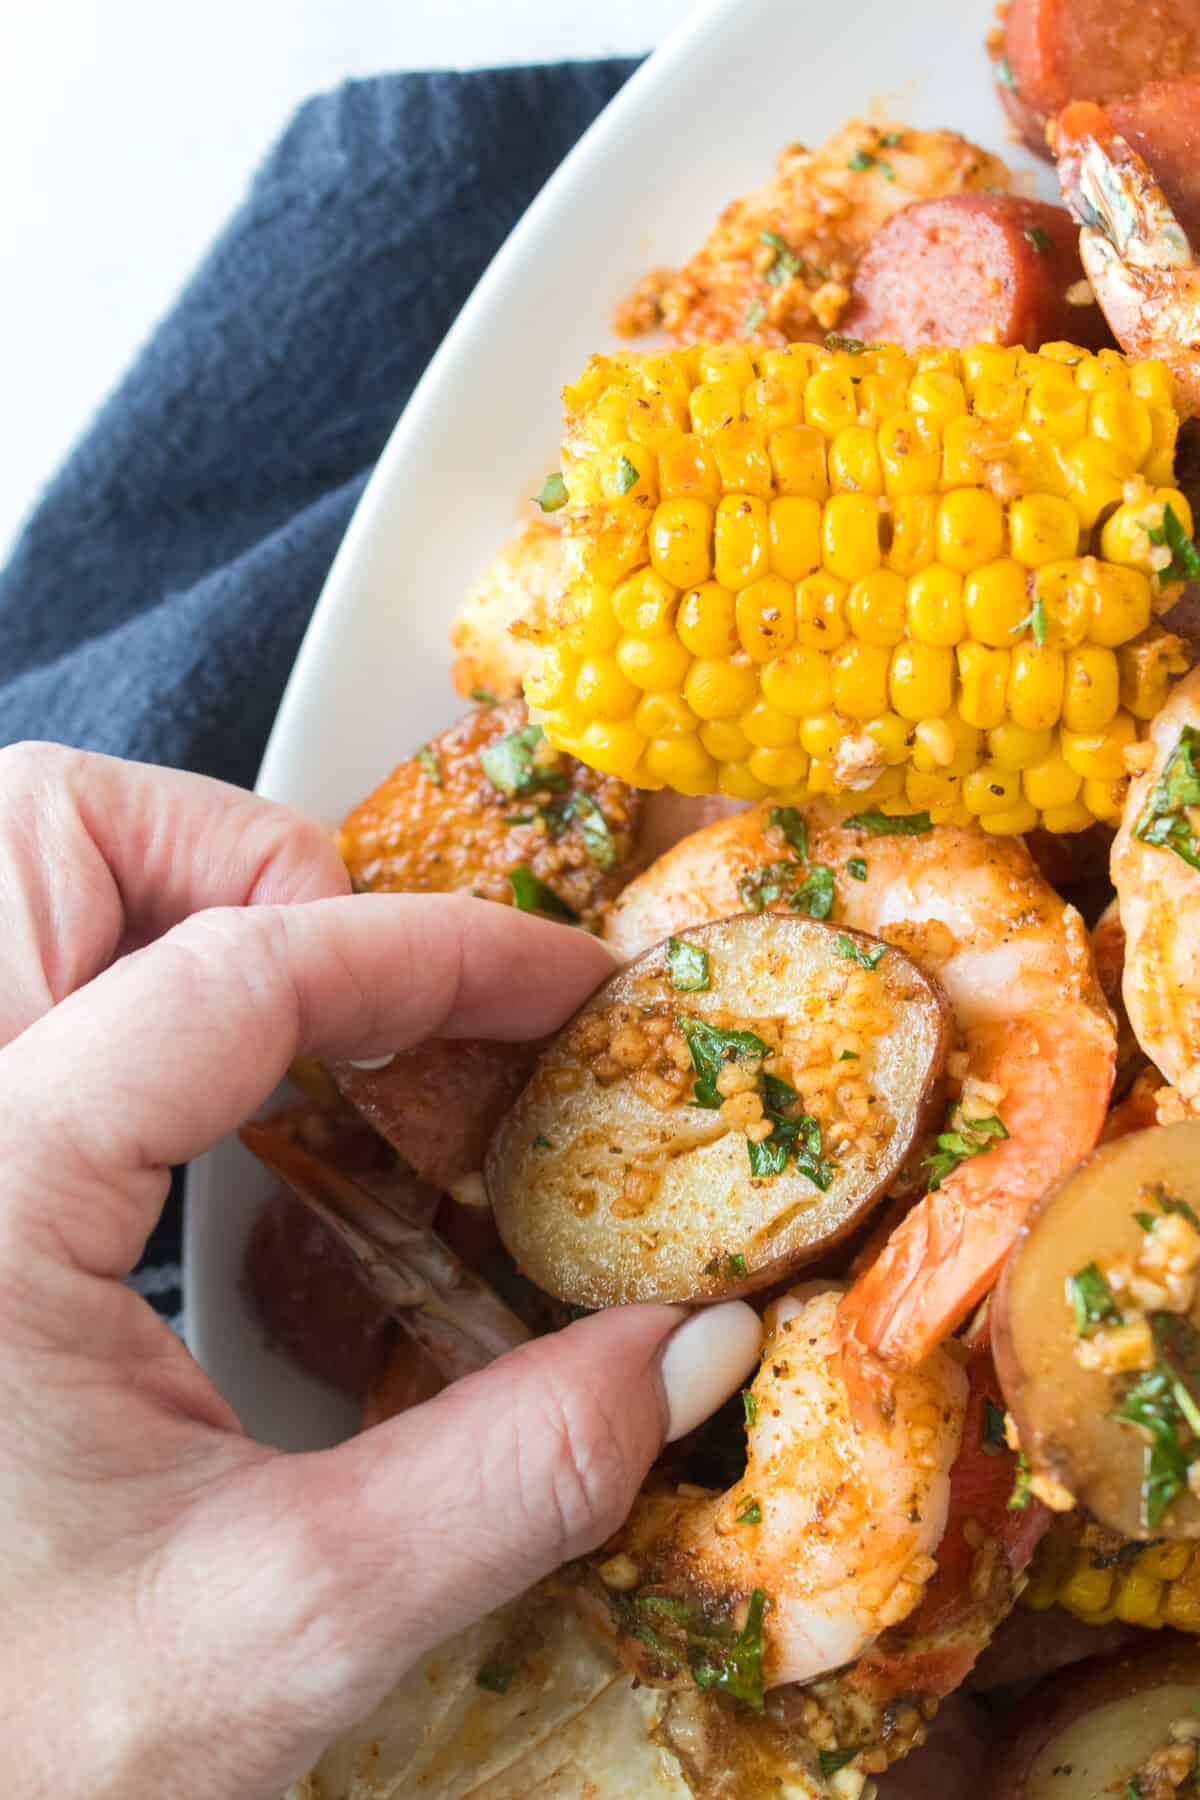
1056	51
972	268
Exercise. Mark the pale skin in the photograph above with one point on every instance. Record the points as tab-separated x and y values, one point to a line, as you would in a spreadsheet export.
185	1611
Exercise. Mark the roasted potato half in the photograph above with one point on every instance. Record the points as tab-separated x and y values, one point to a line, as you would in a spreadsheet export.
720	1113
1095	1349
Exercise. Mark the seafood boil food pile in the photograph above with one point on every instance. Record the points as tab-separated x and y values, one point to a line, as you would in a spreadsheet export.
842	681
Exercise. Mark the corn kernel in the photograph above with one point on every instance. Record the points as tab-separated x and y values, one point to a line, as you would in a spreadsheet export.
681	539
657	419
797	454
725	740
937	395
1066	598
724	362
1152	381
830	402
1012	822
1182	1608
795	537
970	529
969	449
773	403
629	475
921	680
644	604
613	746
860	679
910	453
1100	755
720	689
603	689
1123	420
894	737
1139	1598
1087	1589
1064	821
1035	685
991	789
654	664
1092	691
589	623
966	744
821	735
1042	529
766	618
934	606
738	782
988	362
854	462
875	607
1145	668
741	540
821	612
1120	602
1159	466
1050	783
1001	404
777	768
1165	1561
914	533
551	680
928	791
714	404
681	763
1105	800
1096	477
983	679
799	683
850	535
664	715
996	602
1096	377
707	620
1057	410
1013	746
741	455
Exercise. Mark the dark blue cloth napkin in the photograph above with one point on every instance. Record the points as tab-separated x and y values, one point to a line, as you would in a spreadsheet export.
158	594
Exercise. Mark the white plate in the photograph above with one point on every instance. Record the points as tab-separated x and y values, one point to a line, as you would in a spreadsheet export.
698	124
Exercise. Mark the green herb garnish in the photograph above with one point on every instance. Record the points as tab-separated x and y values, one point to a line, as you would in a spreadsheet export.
484	697
849	1056
795	1138
751	1515
542	1142
890	139
532	895
786	263
1041	240
791	822
1091	1299
754	317
1004	74
1164	820
974	1137
554	493
855	952
738	1670
711	1049
749	1408
1147	1221
593	829
861	160
1036	620
814	896
757	891
626	476
992	1435
1022	1488
885	168
687	967
891	824
733	1266
1185	559
856	868
831	1761
851	345
1149	1403
426	759
511	765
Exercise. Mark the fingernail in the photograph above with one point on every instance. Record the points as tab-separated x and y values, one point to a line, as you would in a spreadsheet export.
706	1360
371	1062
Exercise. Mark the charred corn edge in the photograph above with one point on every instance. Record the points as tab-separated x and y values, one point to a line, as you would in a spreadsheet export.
1154	1585
927	582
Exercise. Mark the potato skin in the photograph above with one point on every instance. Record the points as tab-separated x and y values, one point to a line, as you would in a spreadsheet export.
709	1230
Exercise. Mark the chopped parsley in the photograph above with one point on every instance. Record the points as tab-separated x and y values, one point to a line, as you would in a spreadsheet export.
1160	1402
593	829
786	263
626	476
891	824
856	868
532	895
511	764
849	1056
1004	74
885	168
830	1761
1145	1220
750	1515
1185	560
754	317
1036	620
687	967
851	345
974	1137
814	896
1022	1488
711	1049
860	161
891	139
757	891
542	1142
484	697
517	818
496	1672
992	1436
554	493
790	821
426	759
856	952
749	1407
1091	1299
795	1138
1041	240
736	1669
1164	820
734	1266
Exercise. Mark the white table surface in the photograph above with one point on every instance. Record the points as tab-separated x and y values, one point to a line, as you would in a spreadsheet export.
128	130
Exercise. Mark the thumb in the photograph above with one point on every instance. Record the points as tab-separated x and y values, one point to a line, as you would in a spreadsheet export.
387	1545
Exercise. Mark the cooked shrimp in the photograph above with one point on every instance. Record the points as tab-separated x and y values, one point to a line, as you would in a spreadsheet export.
835	1522
1136	254
1016	965
1156	870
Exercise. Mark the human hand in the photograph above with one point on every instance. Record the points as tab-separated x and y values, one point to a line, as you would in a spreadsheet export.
187	1612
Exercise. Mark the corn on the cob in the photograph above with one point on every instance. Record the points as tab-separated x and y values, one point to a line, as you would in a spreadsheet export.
927	580
1097	1578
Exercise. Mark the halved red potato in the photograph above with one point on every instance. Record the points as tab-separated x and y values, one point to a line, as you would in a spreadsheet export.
1094	1221
1093	1730
625	1171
